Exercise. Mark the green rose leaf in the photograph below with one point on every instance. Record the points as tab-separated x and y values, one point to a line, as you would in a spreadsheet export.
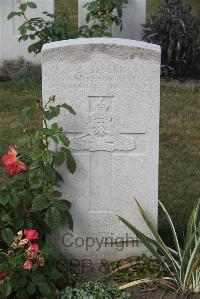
40	202
61	204
31	288
52	112
59	158
71	163
7	235
68	108
35	164
53	218
54	127
38	277
26	197
50	173
31	4
44	288
47	157
56	194
22	30
36	179
11	15
63	138
6	219
4	200
15	201
55	274
23	7
6	288
35	156
46	131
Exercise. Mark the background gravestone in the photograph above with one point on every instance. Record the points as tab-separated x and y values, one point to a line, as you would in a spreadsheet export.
10	47
134	14
114	86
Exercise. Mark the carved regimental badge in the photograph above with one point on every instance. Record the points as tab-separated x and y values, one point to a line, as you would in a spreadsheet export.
102	134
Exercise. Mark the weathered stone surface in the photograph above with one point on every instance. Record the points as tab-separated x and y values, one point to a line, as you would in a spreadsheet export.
134	14
10	47
113	84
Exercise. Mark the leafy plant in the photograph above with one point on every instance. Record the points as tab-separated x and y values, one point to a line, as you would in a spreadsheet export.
101	15
177	30
43	30
30	205
132	270
93	290
29	71
182	265
34	262
20	70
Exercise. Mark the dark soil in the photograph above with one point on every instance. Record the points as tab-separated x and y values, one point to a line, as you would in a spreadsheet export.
159	293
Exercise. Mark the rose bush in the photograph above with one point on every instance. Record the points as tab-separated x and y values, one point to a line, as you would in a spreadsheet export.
31	206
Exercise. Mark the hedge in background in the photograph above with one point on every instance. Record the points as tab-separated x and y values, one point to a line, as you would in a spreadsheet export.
177	30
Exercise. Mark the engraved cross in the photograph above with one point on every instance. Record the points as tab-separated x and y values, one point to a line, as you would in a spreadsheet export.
101	141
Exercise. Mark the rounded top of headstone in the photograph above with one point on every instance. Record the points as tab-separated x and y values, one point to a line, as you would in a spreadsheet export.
102	41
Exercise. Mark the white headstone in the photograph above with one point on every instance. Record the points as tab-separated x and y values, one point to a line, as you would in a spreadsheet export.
10	47
134	14
114	86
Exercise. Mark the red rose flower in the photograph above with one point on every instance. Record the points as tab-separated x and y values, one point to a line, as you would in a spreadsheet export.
28	265
31	234
2	276
32	250
33	246
11	163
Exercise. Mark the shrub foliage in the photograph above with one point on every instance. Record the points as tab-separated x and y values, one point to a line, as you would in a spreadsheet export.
41	30
91	290
102	14
177	30
20	70
100	17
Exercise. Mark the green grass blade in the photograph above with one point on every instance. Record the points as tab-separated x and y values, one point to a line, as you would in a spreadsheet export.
151	245
170	259
193	222
193	279
189	248
173	231
142	237
190	227
148	222
194	255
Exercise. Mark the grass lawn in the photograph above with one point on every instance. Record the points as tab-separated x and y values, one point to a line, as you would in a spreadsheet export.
14	97
179	151
179	140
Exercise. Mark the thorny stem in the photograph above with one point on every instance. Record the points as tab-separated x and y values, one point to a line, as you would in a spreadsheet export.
44	119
